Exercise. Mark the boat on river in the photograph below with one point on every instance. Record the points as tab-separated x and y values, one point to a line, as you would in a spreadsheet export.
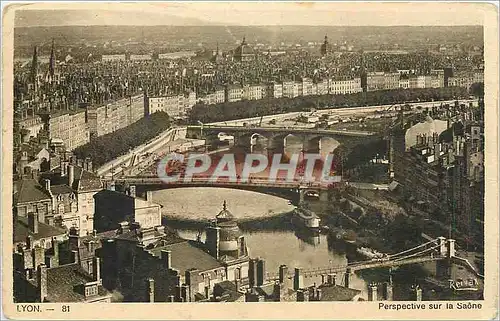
305	218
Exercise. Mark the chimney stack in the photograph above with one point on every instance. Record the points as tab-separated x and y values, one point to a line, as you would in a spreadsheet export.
33	222
388	291
347	277
47	185
184	293
29	242
150	290
319	294
417	293
166	257
88	164
283	273
298	279
132	191
372	292
71	175
252	273
55	251
261	272
96	268
332	279
42	282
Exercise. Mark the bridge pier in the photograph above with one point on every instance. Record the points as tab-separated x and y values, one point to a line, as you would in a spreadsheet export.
443	268
323	195
243	141
447	251
311	145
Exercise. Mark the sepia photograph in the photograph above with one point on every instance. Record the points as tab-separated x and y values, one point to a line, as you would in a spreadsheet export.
239	160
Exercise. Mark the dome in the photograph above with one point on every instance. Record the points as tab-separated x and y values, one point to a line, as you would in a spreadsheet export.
224	215
244	51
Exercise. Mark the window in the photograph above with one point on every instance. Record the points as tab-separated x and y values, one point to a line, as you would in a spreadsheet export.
90	290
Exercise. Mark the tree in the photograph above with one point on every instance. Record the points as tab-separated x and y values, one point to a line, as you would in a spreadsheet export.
477	89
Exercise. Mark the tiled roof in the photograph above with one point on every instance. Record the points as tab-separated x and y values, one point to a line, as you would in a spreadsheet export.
30	191
266	289
60	189
227	289
63	282
187	255
337	293
100	236
21	231
135	235
86	181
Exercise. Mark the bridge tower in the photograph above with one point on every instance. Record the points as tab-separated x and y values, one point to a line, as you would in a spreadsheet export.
447	252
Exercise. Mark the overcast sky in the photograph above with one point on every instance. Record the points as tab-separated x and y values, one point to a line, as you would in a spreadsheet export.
269	13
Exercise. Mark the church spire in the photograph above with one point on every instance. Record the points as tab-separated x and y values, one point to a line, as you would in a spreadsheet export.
52	60
34	68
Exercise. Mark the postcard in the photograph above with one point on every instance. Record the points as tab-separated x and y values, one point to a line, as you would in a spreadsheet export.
250	160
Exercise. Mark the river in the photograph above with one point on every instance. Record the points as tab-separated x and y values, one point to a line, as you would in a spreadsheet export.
276	247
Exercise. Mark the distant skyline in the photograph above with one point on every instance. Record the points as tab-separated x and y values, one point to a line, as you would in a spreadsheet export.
252	14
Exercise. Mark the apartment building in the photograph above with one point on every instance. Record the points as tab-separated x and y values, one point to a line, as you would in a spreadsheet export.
70	126
234	93
274	90
344	86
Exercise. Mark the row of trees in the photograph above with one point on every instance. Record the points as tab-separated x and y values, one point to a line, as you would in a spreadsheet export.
268	106
107	147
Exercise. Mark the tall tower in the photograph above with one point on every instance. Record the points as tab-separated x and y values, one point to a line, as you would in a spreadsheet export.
34	69
52	62
324	47
224	239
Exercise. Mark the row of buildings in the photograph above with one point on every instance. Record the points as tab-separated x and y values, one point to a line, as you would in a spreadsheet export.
440	167
179	105
76	127
146	57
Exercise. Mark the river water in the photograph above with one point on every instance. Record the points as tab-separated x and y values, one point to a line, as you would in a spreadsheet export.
276	247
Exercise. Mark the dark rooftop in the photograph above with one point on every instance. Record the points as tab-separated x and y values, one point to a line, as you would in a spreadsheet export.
30	191
187	255
63	282
337	293
60	189
21	230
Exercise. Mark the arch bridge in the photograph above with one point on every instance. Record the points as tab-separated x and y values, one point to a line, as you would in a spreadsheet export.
296	190
276	136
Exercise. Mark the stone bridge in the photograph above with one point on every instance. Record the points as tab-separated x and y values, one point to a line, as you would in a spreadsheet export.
277	136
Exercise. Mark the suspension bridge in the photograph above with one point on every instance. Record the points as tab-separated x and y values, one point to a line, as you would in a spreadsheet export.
439	249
